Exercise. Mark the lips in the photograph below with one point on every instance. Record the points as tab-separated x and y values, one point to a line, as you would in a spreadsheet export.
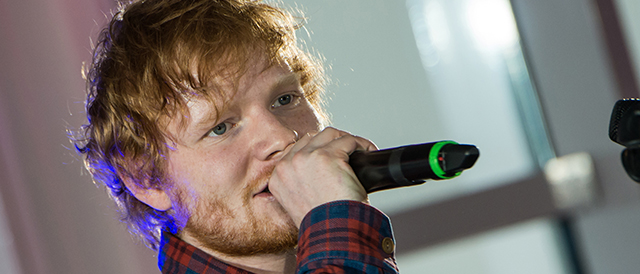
264	190
260	183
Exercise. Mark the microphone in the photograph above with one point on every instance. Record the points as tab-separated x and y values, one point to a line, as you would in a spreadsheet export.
624	129
411	165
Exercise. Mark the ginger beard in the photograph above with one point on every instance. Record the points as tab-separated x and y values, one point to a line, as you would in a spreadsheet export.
217	227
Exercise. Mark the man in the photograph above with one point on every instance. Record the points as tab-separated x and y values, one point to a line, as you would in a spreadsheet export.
206	127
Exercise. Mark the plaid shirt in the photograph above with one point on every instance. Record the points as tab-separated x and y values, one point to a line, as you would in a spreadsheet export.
337	237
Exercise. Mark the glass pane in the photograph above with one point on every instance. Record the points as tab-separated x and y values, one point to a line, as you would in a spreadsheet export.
533	247
8	260
628	13
476	73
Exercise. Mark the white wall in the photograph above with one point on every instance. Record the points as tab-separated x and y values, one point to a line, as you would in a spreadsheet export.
569	60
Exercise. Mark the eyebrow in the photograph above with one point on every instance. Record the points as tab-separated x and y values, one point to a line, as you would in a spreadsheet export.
205	121
285	80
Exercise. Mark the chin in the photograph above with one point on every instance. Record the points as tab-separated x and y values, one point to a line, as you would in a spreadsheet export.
274	212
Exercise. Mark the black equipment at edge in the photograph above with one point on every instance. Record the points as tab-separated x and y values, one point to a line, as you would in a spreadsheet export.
624	129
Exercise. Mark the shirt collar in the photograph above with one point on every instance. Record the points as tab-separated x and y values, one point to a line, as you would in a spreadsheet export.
177	256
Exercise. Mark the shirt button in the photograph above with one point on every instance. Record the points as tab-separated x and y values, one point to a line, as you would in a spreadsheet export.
387	245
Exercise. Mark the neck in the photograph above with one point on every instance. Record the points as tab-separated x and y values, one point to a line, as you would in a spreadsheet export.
284	262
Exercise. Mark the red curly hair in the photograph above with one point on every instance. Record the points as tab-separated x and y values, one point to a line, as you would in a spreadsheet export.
144	63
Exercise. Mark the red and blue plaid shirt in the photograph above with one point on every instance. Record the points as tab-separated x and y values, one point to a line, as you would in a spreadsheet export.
337	237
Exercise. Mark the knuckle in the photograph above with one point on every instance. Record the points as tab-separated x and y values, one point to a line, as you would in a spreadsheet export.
298	157
323	155
333	131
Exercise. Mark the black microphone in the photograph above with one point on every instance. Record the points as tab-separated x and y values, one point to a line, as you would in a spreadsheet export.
624	129
412	164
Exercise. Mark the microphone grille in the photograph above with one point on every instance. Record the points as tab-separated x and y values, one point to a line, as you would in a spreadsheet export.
620	108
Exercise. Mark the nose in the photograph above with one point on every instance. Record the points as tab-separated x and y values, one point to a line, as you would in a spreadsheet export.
272	137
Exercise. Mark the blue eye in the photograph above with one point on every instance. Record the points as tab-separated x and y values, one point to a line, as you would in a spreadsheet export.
219	129
283	100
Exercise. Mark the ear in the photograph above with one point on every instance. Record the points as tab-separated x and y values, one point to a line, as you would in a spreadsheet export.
154	197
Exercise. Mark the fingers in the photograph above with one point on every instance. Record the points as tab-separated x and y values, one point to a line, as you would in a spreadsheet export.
315	170
332	139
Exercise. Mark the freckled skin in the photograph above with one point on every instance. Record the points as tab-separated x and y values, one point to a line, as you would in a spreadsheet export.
268	134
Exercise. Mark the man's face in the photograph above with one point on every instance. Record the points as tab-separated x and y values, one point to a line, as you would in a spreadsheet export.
220	165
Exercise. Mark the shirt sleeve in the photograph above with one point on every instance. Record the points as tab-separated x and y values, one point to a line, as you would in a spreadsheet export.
346	237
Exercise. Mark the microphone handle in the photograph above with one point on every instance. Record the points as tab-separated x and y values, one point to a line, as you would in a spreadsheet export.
411	165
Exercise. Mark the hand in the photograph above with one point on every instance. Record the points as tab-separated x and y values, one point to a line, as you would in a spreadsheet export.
315	170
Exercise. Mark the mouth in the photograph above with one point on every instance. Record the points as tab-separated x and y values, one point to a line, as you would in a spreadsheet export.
265	191
260	183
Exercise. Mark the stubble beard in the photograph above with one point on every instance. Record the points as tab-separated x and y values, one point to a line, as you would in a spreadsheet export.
215	226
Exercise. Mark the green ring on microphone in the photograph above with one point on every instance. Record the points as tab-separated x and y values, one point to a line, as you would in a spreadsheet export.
433	159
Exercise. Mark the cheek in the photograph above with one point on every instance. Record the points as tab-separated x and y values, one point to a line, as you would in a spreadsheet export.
204	171
306	121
